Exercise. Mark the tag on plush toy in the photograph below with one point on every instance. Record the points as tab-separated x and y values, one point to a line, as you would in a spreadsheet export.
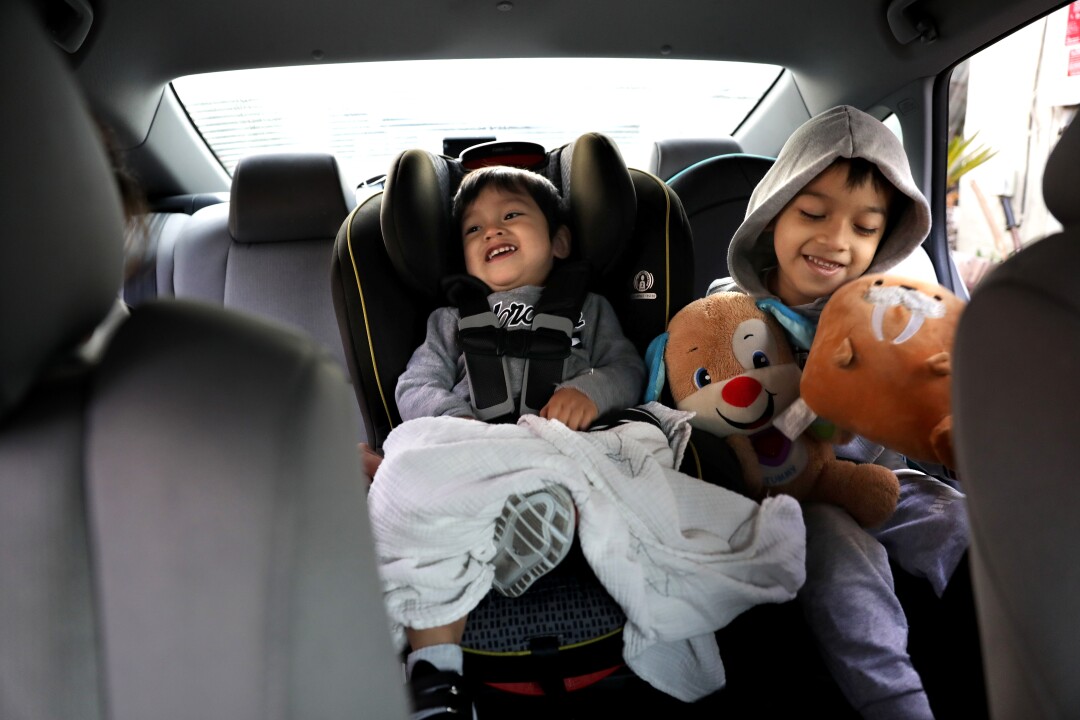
795	419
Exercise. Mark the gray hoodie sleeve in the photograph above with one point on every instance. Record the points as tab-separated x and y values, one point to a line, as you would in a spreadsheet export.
435	370
615	376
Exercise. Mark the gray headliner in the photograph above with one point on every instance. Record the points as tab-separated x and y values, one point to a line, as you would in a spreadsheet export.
849	55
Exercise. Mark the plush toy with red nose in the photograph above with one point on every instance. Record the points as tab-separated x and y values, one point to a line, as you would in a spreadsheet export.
730	363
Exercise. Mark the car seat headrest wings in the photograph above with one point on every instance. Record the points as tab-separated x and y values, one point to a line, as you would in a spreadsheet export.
598	196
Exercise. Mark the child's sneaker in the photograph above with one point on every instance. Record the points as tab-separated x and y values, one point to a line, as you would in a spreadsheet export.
532	536
438	693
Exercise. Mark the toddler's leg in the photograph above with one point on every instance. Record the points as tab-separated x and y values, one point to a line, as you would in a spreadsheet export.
853	612
434	668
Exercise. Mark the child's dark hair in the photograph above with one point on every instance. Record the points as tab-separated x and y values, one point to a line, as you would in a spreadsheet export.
859	170
509	179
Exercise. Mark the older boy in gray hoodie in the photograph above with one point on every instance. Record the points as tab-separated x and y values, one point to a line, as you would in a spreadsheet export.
840	202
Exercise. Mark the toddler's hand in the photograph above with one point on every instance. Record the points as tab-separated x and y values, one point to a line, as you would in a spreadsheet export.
571	407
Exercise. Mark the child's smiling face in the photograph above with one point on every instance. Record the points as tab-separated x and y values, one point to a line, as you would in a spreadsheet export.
507	240
827	235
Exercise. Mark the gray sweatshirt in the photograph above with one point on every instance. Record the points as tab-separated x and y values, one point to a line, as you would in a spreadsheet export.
604	364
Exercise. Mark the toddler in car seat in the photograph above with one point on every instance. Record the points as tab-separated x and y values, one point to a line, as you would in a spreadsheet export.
513	237
840	202
461	506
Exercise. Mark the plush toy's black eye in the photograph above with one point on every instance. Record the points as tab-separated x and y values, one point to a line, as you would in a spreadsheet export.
761	359
702	377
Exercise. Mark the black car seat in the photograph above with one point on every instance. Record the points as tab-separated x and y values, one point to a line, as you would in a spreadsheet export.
1015	423
182	532
390	259
715	193
394	250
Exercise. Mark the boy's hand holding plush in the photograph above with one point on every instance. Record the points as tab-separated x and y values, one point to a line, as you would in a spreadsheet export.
730	363
881	364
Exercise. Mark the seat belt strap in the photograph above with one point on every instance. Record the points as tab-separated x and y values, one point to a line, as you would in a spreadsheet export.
556	314
486	366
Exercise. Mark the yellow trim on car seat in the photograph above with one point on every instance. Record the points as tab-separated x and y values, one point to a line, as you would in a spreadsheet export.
522	653
363	308
697	459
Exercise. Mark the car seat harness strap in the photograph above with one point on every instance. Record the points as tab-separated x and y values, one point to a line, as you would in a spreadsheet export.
545	346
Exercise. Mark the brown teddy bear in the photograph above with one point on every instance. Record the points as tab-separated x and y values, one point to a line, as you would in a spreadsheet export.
730	363
881	364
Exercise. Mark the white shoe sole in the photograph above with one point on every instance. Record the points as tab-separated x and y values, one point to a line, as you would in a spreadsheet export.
532	536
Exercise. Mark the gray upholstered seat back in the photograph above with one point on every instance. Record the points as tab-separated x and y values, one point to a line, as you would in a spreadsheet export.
268	250
1016	400
183	527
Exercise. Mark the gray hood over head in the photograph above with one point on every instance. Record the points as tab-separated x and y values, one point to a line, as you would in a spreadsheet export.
842	132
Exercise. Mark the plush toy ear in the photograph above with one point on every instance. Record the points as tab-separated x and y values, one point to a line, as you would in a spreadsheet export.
844	354
654	360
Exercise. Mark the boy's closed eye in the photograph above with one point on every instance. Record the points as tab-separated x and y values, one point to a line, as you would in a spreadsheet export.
868	230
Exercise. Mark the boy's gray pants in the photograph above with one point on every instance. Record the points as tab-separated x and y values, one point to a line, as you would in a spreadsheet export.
849	599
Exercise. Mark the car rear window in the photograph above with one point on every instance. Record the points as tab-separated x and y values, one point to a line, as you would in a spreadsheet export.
366	113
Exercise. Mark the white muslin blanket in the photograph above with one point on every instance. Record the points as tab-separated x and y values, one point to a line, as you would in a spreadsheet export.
680	556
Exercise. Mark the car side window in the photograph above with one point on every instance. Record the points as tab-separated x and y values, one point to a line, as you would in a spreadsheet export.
1007	107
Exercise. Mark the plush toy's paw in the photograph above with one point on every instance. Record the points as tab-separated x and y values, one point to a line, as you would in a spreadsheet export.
880	493
868	492
941	441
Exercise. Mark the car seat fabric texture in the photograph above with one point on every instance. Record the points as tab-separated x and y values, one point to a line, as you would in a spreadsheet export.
682	557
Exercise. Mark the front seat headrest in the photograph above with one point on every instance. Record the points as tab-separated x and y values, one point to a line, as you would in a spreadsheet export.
61	257
598	199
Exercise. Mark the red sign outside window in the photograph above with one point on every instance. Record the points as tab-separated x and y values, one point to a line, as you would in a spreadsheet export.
1072	27
1072	37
